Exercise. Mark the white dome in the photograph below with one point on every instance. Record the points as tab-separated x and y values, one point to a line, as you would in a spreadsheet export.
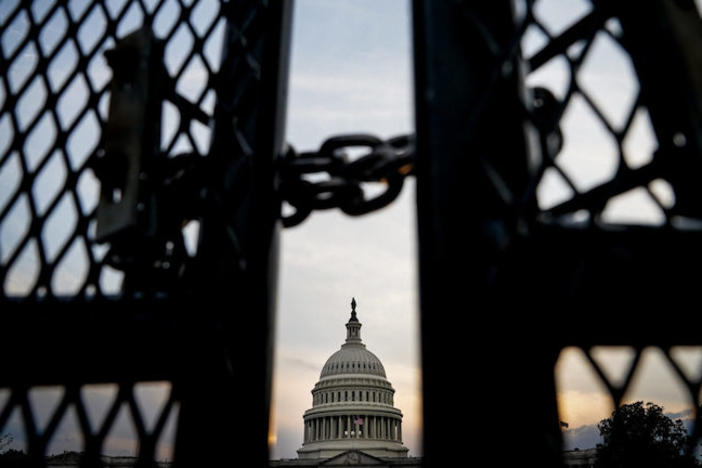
353	359
352	404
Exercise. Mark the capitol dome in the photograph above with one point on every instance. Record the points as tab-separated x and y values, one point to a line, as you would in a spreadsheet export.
353	360
352	404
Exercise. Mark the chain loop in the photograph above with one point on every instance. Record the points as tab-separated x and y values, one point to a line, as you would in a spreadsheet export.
385	161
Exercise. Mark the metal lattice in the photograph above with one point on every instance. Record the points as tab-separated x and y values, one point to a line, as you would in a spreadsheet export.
657	172
121	424
576	50
618	387
630	168
222	67
54	107
512	220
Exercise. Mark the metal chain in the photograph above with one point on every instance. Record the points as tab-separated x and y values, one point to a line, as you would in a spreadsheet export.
386	161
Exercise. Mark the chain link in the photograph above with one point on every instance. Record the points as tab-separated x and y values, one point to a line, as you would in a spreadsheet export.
385	161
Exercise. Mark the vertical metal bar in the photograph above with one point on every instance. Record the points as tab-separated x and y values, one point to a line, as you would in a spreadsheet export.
225	390
473	165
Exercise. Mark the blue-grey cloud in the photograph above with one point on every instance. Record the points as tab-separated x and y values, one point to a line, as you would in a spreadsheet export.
301	363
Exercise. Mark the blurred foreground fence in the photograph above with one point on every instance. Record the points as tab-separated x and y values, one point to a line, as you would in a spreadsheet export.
142	173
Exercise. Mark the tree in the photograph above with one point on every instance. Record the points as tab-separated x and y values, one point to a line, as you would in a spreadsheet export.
5	441
641	436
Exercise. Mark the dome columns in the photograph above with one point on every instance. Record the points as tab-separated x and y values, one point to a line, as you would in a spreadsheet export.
368	427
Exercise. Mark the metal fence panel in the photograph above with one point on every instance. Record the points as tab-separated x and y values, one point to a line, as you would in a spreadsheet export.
508	280
80	309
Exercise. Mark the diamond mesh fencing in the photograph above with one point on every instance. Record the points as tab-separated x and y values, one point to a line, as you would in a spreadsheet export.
601	141
606	156
666	376
60	60
55	99
615	155
82	424
556	202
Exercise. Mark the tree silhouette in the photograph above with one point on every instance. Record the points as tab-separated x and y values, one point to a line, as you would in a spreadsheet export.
5	441
641	436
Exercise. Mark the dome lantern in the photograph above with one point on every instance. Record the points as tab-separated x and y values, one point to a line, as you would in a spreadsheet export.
353	326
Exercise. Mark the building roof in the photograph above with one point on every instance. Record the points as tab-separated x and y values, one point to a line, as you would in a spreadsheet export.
353	359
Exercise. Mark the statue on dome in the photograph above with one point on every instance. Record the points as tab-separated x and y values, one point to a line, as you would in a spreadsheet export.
353	309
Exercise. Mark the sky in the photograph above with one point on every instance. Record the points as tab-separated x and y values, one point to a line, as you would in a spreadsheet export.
351	72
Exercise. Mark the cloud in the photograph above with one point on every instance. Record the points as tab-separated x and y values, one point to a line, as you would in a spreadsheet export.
583	437
683	415
579	408
350	70
301	363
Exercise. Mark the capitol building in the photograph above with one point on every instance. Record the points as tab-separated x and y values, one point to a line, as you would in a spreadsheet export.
353	420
